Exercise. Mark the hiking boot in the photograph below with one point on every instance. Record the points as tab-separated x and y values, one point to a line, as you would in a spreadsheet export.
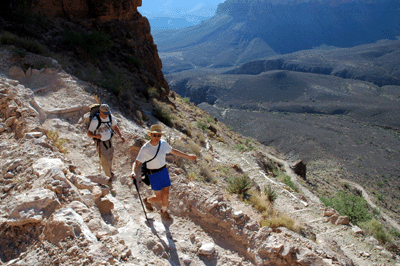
148	205
112	176
165	215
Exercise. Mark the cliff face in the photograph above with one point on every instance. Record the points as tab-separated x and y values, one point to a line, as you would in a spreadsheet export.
128	30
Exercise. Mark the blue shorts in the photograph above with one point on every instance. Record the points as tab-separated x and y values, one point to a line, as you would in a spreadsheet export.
160	180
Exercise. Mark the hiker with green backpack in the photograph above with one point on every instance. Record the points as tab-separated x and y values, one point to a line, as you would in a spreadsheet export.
153	156
101	128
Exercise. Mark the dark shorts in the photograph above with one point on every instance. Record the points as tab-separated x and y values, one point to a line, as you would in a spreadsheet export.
160	180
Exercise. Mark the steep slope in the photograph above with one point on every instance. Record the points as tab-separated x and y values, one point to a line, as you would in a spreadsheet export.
56	207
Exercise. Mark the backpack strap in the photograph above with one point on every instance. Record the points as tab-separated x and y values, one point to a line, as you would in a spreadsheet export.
109	123
159	144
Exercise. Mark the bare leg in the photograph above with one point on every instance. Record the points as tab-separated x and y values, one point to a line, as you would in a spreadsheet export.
165	197
157	197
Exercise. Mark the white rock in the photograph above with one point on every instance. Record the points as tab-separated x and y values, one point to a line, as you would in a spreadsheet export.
66	222
43	165
207	249
32	207
82	182
187	259
357	230
32	135
237	214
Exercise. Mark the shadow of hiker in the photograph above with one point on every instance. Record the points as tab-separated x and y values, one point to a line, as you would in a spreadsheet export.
162	232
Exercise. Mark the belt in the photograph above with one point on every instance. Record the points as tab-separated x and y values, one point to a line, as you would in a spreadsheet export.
153	171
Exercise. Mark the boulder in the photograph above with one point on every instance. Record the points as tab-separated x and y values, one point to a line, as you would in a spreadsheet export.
105	206
67	223
44	165
300	168
333	218
343	220
16	72
32	207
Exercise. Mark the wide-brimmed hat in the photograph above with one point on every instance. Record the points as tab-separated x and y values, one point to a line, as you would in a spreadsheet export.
155	129
105	109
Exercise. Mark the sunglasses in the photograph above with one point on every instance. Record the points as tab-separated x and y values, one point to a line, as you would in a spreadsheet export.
157	135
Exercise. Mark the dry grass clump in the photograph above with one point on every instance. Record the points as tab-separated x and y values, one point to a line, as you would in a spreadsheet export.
57	142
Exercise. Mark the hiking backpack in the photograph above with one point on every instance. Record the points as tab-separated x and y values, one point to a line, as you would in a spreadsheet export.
94	111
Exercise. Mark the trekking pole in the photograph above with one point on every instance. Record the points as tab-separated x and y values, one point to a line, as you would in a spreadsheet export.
137	189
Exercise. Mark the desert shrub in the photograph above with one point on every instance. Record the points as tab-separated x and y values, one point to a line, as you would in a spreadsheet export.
153	92
18	52
205	172
355	207
260	202
286	179
57	142
245	147
192	176
265	163
115	81
395	232
133	61
33	46
200	124
239	185
375	228
270	193
29	44
281	220
92	44
211	119
8	38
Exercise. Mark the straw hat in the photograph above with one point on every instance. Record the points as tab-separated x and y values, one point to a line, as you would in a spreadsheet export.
155	129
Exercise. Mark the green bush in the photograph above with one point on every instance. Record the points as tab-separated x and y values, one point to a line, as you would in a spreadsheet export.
239	185
354	207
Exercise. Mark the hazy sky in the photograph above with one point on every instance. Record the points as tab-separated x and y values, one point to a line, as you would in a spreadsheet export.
179	8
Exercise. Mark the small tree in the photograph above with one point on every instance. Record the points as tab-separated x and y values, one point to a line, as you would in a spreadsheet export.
354	207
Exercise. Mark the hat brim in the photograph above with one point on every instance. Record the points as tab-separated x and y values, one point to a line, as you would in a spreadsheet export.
155	132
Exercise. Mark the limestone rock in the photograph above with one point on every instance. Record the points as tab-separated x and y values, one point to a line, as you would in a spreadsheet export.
43	165
357	230
207	249
32	207
66	222
105	206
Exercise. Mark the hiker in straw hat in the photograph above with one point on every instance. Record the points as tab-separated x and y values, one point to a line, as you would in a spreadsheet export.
159	177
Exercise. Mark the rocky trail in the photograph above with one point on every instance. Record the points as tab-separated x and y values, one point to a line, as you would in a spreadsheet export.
58	209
